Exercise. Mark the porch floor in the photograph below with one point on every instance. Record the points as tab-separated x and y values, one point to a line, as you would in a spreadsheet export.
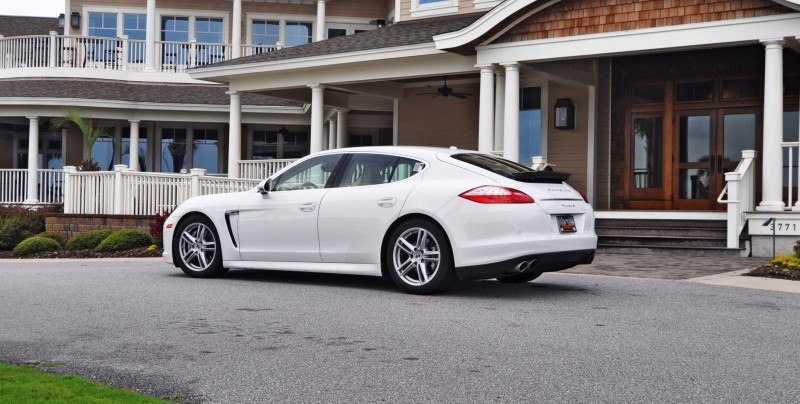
663	266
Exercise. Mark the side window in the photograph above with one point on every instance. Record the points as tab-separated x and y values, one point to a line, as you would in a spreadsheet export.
374	169
313	173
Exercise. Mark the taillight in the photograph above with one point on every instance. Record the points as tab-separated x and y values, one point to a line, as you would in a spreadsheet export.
495	194
583	195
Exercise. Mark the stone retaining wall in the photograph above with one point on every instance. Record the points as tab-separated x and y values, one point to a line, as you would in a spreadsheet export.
69	225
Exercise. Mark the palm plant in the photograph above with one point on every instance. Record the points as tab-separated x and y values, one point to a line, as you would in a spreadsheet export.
83	120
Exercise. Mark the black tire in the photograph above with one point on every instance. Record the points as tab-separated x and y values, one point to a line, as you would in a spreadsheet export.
520	278
416	272
189	258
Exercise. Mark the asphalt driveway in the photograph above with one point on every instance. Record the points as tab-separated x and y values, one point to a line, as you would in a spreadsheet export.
258	336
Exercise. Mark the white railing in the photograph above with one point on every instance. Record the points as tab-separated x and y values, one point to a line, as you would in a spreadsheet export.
792	149
739	193
249	50
125	192
262	169
14	186
124	54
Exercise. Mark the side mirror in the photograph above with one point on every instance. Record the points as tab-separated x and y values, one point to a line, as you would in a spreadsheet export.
265	186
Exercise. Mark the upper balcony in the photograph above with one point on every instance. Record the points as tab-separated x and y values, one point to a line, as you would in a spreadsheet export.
84	56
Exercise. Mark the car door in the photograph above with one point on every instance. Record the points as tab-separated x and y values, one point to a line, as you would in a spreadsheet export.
355	213
281	225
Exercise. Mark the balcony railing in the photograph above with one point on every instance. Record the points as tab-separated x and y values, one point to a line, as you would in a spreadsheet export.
121	54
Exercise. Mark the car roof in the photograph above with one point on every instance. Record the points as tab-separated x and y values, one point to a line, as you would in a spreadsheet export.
419	151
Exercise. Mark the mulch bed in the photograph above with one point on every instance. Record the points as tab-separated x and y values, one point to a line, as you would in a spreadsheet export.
134	253
772	271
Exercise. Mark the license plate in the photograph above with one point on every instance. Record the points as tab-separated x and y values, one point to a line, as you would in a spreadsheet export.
566	224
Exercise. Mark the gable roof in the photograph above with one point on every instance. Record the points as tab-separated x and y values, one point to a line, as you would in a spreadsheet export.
87	89
11	25
404	33
507	14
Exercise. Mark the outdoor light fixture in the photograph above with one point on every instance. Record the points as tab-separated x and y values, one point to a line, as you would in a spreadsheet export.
378	23
61	21
75	20
564	114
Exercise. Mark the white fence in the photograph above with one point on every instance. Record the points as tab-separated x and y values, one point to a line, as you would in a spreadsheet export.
124	192
14	186
262	169
740	190
62	51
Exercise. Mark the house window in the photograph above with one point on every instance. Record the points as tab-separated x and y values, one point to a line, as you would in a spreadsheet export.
206	150
694	91
739	89
208	30
648	141
135	27
103	25
298	33
648	94
266	32
360	140
530	124
424	8
265	145
103	152
175	29
173	150
336	29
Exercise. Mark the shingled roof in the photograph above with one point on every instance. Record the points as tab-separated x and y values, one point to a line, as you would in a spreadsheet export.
11	25
132	92
404	33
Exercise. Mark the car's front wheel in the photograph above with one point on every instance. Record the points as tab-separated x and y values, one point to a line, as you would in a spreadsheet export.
196	248
419	259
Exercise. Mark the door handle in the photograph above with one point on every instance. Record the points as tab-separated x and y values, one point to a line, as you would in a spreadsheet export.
387	202
308	207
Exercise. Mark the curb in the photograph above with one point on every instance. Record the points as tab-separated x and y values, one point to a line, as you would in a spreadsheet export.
736	279
56	260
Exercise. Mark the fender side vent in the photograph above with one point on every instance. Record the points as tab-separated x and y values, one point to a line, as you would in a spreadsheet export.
228	215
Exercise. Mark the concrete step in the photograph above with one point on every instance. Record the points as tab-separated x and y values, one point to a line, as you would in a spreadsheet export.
653	223
670	250
671	241
661	231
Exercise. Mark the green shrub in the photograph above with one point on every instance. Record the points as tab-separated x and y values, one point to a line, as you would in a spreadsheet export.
33	245
787	262
125	240
87	240
54	236
18	223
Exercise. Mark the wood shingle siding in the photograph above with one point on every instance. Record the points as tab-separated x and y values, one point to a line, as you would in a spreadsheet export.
582	17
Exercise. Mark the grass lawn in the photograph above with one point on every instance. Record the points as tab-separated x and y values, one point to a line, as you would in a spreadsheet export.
26	384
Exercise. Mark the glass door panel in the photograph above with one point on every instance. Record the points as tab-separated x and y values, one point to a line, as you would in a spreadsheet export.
695	160
648	151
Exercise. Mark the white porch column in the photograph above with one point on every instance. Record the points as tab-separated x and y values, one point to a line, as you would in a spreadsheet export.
486	110
511	113
772	162
133	160
341	128
236	29
150	37
320	24
332	133
317	120
499	111
67	12
235	135
33	160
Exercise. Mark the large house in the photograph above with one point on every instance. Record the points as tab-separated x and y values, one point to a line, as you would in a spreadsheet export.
660	109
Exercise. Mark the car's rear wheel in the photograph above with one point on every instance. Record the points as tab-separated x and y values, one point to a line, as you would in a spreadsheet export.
520	278
196	248
419	259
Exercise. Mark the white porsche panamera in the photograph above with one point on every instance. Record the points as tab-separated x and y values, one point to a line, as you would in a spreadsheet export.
422	217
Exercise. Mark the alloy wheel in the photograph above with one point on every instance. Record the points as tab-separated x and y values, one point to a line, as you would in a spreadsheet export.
416	256
198	247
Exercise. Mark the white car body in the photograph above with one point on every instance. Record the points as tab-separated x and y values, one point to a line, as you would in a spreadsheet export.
343	230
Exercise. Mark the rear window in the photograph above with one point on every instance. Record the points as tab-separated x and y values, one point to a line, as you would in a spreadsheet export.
503	167
510	169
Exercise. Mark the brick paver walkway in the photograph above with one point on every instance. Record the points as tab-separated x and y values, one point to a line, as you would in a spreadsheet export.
663	266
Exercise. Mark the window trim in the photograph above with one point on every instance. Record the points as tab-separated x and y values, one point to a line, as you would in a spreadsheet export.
436	8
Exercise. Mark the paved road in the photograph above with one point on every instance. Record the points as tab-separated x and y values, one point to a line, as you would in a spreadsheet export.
267	336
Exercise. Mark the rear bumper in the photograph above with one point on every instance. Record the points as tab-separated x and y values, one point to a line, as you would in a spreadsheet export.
545	262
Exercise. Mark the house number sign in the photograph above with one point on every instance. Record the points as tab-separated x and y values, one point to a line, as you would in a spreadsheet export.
782	227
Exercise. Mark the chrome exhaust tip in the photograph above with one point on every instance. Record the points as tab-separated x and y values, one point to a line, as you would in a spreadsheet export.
522	266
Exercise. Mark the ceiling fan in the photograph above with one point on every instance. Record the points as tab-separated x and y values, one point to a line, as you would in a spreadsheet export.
446	91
